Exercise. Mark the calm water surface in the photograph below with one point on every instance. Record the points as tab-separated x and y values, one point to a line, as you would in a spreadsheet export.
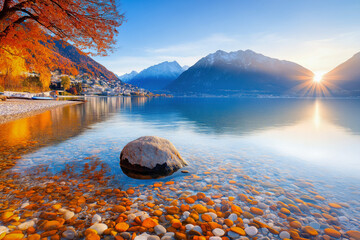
284	140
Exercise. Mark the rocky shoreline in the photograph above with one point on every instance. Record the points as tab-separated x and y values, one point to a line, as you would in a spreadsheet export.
79	203
13	109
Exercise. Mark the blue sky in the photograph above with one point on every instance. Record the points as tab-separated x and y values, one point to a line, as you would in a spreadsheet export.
318	34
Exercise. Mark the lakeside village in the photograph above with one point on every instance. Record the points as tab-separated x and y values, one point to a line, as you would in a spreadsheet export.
87	85
82	84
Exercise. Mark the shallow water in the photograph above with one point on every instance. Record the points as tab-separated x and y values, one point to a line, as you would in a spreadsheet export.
287	142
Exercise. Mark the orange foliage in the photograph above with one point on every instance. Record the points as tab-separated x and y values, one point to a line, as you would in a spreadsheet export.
28	29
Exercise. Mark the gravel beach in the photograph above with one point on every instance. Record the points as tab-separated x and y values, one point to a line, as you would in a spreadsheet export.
17	108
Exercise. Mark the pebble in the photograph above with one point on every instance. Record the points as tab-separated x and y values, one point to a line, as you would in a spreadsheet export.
188	227
3	229
315	225
284	234
264	231
218	232
96	219
167	238
233	235
69	234
159	229
25	225
198	229
233	217
251	231
263	206
24	205
246	221
143	236
68	215
215	238
343	219
170	234
153	237
99	227
126	235
213	215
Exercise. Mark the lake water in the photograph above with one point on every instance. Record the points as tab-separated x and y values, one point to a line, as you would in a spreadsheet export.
300	145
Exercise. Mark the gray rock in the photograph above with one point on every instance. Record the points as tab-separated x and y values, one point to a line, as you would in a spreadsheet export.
25	225
233	217
159	229
69	234
125	235
284	234
251	231
150	157
315	225
198	229
96	219
153	237
167	238
233	235
99	227
215	238
143	236
218	232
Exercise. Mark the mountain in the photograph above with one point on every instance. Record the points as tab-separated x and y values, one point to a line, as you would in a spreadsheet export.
344	80
185	67
158	76
128	76
83	63
240	72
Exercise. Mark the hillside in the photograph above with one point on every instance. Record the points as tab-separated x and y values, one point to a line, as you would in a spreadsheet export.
83	63
344	80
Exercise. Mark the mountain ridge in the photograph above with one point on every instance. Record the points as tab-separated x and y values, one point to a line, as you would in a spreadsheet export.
243	72
156	77
344	79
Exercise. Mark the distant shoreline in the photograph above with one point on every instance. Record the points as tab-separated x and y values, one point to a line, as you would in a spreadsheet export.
14	109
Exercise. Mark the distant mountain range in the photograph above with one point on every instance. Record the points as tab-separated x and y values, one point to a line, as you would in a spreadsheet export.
240	72
156	77
246	73
83	63
344	80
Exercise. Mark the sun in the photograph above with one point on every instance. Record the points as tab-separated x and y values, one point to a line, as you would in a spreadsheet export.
318	77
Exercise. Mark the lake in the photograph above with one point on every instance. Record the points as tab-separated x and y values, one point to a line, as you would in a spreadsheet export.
307	149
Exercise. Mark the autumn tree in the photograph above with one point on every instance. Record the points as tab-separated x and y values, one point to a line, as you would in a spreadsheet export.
65	82
29	29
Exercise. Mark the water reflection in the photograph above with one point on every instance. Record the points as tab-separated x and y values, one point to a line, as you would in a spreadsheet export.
28	134
316	139
239	116
321	132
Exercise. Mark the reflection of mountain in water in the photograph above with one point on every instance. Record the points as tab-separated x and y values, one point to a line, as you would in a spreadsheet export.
226	115
241	116
216	115
343	112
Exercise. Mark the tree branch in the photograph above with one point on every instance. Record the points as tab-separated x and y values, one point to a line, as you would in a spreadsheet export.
17	22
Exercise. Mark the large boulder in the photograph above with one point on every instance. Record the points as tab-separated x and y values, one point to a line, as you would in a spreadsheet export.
150	157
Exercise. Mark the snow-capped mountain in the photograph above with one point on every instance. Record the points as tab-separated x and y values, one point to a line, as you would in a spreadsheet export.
185	67
158	76
128	76
344	80
240	72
